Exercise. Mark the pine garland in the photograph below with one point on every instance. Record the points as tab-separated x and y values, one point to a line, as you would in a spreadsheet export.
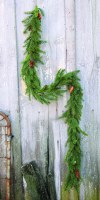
49	93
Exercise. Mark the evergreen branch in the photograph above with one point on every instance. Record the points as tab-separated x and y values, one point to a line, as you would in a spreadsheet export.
52	92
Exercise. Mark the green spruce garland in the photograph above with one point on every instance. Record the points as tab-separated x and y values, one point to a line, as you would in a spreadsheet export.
52	92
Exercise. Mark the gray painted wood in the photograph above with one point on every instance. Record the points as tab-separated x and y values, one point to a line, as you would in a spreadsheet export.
72	31
9	84
87	60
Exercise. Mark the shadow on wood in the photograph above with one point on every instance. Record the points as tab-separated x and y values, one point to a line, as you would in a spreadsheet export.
37	187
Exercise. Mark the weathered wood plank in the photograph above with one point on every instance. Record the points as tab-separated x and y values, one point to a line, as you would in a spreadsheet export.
97	53
58	127
69	56
9	82
70	34
56	53
87	60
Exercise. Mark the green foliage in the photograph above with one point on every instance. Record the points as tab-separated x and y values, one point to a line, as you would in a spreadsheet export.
52	92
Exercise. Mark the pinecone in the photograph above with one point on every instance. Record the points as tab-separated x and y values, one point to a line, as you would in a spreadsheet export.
77	174
31	63
71	89
39	16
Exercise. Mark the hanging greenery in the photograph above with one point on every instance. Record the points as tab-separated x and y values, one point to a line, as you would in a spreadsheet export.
63	81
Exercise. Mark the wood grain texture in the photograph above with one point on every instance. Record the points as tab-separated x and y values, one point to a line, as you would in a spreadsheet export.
72	31
87	60
9	83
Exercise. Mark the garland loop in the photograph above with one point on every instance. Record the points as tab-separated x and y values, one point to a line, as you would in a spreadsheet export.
52	92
